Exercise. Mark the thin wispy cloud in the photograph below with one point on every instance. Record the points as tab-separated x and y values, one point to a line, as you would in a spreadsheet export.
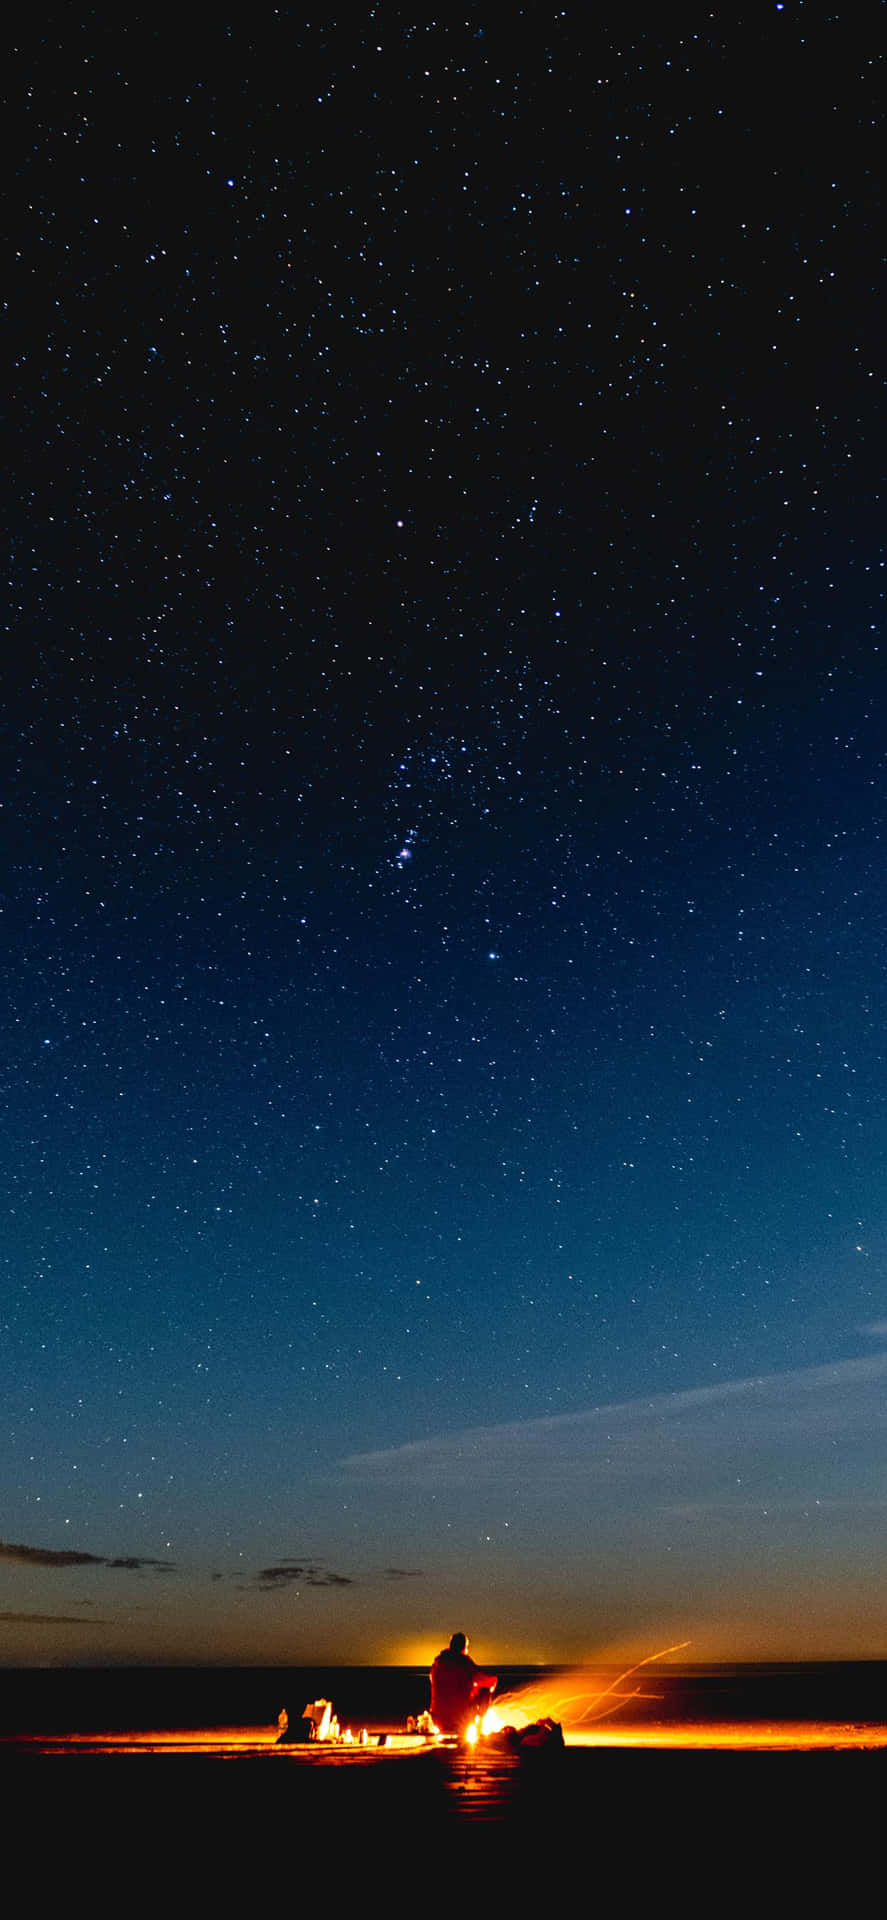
290	1573
136	1563
51	1620
62	1557
25	1556
819	1421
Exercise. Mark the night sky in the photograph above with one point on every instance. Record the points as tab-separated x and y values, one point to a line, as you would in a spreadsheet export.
444	808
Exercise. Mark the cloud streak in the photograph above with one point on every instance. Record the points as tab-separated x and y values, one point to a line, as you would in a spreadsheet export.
135	1563
827	1424
62	1557
46	1556
51	1620
292	1573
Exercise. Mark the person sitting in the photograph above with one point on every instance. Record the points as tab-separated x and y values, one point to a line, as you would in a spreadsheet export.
457	1687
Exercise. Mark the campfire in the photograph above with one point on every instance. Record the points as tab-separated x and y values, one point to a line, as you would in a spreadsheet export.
524	1722
513	1731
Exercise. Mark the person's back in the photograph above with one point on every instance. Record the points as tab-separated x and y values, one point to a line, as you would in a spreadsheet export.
455	1682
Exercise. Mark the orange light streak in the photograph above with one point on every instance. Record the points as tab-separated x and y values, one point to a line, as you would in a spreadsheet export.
535	1702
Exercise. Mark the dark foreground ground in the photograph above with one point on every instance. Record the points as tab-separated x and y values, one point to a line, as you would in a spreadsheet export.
687	1830
685	1825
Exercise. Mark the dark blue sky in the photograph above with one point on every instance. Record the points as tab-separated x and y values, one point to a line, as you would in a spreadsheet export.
444	829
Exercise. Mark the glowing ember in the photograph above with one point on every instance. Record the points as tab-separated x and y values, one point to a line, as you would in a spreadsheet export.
495	1719
574	1709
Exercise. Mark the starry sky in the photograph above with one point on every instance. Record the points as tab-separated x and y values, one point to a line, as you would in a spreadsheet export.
444	822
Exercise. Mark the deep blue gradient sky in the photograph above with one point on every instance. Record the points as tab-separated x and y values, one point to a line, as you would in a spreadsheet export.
444	826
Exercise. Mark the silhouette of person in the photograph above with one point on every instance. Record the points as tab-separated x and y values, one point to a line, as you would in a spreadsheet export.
456	1686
